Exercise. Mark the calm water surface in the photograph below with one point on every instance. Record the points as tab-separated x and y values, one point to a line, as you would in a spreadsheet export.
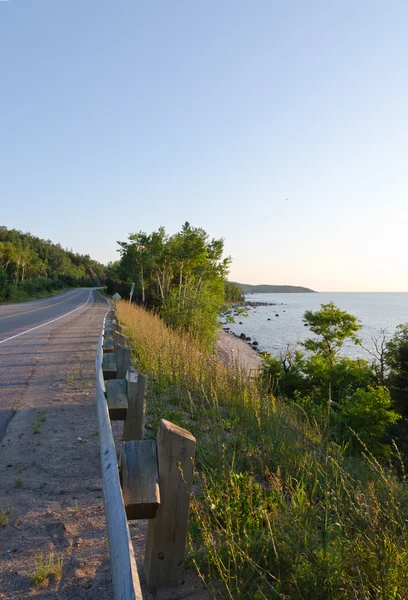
375	310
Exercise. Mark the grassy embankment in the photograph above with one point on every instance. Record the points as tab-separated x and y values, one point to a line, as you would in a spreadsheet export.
278	511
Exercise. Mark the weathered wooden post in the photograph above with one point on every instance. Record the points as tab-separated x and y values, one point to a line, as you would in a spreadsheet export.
167	533
136	388
122	361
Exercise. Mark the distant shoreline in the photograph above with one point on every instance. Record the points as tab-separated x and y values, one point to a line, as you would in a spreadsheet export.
247	288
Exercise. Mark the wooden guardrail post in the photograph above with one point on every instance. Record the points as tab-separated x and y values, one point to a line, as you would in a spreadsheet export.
167	533
136	388
122	361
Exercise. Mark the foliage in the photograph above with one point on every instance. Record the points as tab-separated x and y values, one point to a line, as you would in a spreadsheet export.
278	510
337	392
182	275
396	349
31	266
394	364
313	376
4	287
233	292
4	516
46	570
369	412
333	327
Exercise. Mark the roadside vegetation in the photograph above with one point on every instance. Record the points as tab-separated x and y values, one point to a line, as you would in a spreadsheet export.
181	276
32	268
46	570
300	491
5	513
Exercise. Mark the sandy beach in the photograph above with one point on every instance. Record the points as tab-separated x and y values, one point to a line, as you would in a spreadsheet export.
233	350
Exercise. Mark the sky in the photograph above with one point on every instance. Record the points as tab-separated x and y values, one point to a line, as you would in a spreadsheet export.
280	126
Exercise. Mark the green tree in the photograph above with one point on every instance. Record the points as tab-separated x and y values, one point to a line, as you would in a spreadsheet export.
36	265
369	413
335	389
4	287
233	292
396	349
333	327
182	275
396	358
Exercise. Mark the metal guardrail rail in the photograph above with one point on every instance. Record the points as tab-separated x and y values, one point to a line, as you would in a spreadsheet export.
125	578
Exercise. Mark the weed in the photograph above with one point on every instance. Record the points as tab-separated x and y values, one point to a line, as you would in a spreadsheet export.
41	417
76	377
45	570
4	516
19	481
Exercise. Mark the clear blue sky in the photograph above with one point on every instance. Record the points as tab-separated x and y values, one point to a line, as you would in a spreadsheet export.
281	126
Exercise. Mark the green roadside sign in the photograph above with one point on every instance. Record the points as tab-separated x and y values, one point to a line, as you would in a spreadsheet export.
132	287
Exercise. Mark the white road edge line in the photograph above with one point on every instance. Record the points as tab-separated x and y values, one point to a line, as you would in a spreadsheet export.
48	322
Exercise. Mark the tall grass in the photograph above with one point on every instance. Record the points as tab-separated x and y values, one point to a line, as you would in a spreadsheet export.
278	510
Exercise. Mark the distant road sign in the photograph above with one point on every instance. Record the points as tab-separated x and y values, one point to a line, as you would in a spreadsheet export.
116	296
132	287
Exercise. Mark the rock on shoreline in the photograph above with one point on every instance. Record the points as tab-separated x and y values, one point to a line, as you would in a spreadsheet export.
249	304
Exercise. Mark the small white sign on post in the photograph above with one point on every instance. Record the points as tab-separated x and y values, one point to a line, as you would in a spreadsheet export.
131	376
116	296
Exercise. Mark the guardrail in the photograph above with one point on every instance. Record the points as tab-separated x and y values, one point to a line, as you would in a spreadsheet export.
125	578
153	479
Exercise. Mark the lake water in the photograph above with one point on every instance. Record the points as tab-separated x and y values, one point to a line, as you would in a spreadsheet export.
375	310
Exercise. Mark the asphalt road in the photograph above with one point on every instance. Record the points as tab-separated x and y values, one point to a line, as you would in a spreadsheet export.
18	318
26	333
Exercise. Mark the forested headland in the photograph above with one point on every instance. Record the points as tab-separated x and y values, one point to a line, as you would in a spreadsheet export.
31	267
273	289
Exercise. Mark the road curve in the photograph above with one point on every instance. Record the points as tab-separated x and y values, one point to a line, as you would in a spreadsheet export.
16	319
25	331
